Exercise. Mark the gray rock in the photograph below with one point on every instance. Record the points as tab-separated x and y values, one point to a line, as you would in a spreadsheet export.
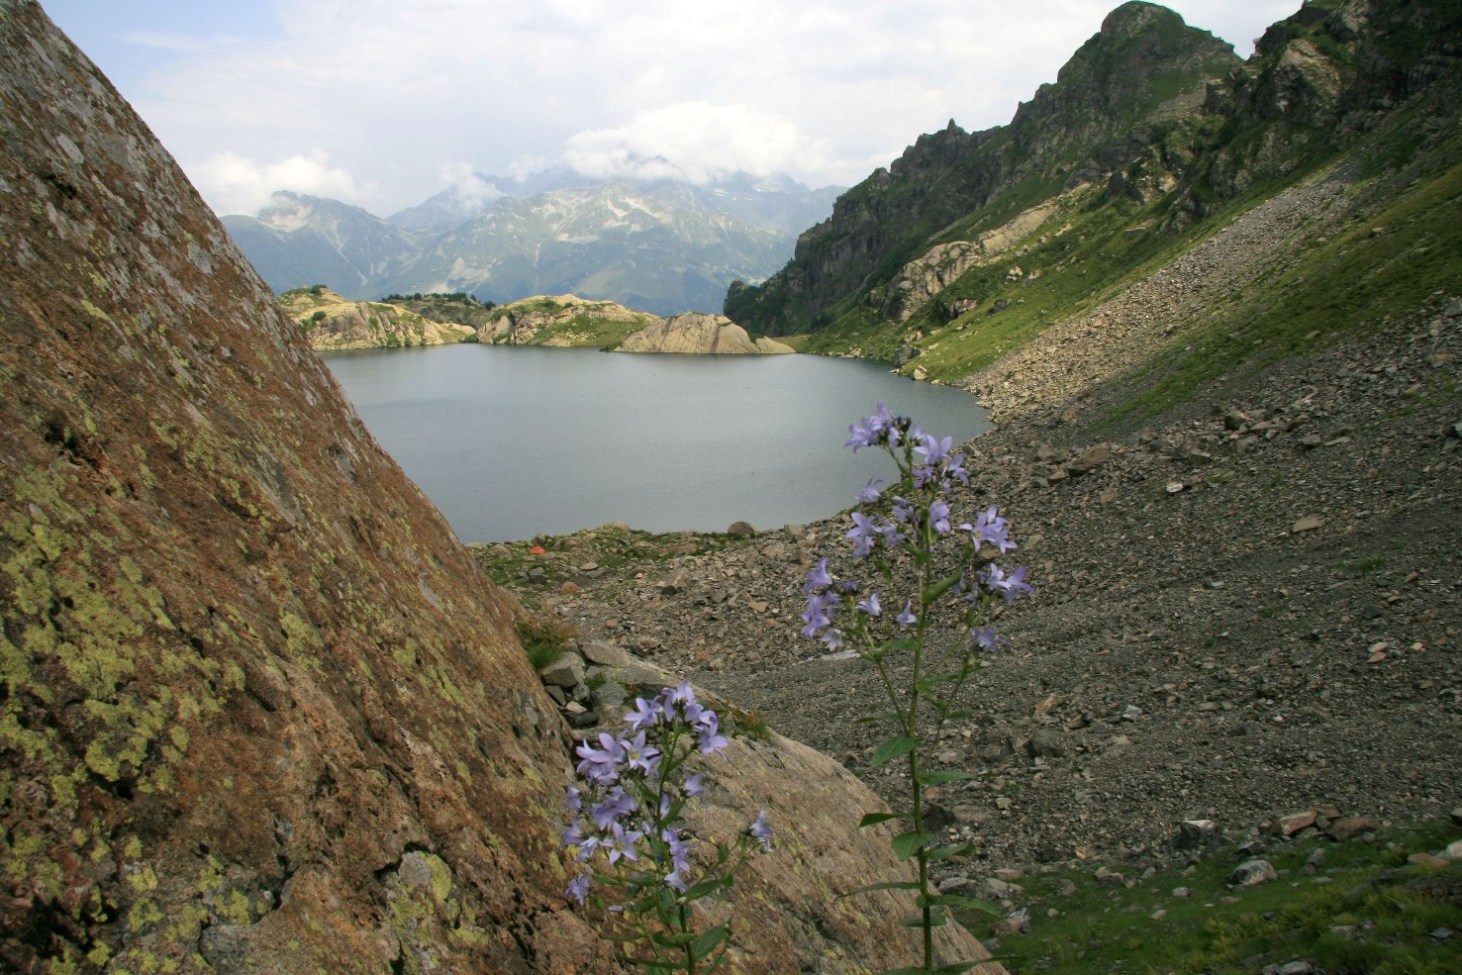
610	693
1194	834
566	672
1045	743
741	529
605	654
1251	873
997	890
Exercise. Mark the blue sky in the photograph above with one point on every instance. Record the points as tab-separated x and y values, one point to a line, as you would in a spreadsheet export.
382	103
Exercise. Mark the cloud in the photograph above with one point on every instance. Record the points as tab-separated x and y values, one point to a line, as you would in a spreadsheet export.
471	191
383	102
234	184
694	141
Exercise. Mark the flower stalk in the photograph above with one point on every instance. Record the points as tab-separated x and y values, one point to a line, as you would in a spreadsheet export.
912	554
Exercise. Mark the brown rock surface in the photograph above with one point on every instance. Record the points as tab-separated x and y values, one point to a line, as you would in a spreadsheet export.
699	334
258	710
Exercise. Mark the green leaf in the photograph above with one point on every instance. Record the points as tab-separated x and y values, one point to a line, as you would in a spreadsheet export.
709	941
941	587
890	885
703	888
945	852
959	968
932	681
873	819
906	845
672	939
893	748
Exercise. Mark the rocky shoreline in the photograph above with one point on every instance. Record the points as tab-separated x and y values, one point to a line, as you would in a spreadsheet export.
1242	612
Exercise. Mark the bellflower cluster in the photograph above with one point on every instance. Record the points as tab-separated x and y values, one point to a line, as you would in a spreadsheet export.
912	553
628	832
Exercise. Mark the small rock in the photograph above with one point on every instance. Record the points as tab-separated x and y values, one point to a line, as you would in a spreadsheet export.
1016	922
998	890
1251	873
1293	823
1430	860
1349	827
566	672
1195	833
1297	967
741	529
1045	744
1131	713
675	582
1307	524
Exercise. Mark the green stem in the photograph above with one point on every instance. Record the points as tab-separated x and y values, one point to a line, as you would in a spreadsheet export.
926	912
685	929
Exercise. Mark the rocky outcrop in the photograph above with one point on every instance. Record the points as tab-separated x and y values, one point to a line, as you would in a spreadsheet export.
333	322
699	334
567	320
259	712
921	280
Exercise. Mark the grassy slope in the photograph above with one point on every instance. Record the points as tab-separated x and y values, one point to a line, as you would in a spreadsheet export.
1358	907
1407	247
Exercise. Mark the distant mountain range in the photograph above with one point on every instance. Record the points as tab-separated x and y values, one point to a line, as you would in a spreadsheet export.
663	247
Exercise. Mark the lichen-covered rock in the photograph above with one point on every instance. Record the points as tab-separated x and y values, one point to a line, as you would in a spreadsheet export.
697	334
259	712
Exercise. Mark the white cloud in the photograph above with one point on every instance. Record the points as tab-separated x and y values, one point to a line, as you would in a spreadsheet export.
235	184
468	187
371	99
695	141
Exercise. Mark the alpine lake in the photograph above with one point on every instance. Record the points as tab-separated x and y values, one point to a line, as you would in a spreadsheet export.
513	442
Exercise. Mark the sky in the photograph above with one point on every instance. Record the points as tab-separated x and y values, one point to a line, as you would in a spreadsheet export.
382	103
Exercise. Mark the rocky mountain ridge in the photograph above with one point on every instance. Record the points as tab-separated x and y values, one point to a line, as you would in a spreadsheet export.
1142	61
1137	170
664	246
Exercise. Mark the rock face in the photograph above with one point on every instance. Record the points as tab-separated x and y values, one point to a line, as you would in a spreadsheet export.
922	279
702	335
260	713
333	322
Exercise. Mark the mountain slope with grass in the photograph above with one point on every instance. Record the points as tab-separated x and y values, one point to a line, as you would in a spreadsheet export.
1348	106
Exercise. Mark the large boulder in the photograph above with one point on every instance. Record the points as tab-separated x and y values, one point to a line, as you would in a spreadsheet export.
699	334
258	709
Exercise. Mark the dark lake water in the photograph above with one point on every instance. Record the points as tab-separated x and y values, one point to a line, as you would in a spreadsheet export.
513	442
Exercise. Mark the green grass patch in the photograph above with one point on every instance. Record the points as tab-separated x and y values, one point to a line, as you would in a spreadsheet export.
1361	909
544	641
